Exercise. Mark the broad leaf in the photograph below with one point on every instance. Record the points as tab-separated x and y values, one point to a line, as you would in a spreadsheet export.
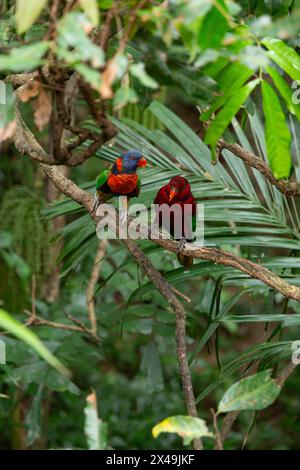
90	8
138	71
271	351
227	113
284	56
285	90
7	322
230	80
24	58
278	137
252	393
27	12
187	427
209	35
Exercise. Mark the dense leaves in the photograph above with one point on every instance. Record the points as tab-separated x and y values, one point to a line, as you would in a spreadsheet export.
173	78
7	322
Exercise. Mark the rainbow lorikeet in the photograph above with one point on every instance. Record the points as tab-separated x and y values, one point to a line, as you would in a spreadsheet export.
121	179
178	191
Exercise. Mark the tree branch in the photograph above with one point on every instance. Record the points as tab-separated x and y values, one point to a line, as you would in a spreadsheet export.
131	23
79	327
167	292
106	28
90	301
226	258
285	187
26	143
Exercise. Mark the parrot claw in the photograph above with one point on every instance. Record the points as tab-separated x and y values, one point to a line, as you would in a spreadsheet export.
181	245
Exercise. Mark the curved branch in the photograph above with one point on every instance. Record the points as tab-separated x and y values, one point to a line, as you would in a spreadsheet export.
284	186
90	294
166	291
85	199
238	262
26	143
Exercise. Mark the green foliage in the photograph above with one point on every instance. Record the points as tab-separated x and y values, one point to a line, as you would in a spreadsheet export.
285	91
20	216
228	112
27	12
90	8
77	50
8	323
187	427
278	137
13	261
7	108
209	36
284	56
24	58
252	393
230	79
228	60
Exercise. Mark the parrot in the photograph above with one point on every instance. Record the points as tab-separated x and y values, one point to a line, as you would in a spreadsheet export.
121	179
178	191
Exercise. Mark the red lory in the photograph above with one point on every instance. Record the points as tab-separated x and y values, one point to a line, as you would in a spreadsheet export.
121	179
178	191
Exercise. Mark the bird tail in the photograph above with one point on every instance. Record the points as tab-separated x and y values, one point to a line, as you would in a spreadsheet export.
185	260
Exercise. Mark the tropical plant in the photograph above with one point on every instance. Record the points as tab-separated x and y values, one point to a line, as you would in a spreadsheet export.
206	89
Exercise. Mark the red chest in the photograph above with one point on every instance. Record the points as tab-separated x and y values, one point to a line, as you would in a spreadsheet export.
122	184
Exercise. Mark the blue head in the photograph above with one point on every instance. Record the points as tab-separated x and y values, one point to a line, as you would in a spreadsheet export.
129	162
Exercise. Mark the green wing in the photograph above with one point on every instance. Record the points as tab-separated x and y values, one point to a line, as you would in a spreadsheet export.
102	178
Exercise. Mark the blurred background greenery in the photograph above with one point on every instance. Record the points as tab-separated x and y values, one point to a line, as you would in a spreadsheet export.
181	58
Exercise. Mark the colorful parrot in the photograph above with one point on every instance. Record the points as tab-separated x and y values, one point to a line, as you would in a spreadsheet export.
121	179
178	191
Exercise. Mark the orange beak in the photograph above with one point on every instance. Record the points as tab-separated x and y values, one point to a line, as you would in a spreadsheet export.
142	162
172	194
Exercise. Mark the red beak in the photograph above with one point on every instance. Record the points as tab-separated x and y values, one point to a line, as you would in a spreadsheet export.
172	194
142	162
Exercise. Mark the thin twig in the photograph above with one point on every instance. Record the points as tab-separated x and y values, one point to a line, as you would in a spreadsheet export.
219	444
32	317
130	25
167	292
286	187
90	300
81	325
106	28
